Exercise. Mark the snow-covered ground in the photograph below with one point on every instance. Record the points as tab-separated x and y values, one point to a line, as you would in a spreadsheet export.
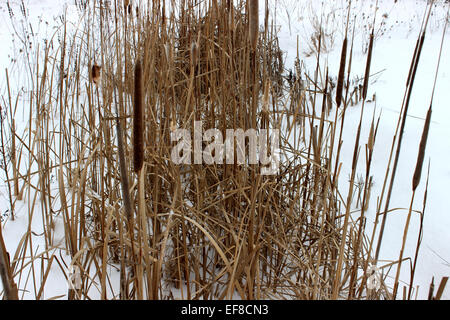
397	28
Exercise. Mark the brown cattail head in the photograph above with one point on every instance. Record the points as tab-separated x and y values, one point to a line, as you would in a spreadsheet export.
96	74
371	140
340	84
253	10
421	155
127	6
138	119
266	101
368	63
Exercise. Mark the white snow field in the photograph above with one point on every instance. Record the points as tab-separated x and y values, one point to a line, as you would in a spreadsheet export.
397	28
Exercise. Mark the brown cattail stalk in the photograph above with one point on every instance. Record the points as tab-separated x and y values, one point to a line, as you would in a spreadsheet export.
416	181
138	119
123	172
431	290
441	288
126	203
420	236
417	173
400	258
253	9
400	131
409	86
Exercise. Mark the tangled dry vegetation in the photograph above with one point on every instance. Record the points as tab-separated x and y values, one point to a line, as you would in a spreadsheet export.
96	156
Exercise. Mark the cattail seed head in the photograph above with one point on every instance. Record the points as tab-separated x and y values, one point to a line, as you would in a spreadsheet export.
138	119
127	6
369	61
340	84
96	74
266	96
421	155
371	141
253	9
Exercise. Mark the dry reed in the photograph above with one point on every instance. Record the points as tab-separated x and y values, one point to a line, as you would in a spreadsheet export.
216	231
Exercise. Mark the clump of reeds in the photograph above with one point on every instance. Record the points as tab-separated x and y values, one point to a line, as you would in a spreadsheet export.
211	231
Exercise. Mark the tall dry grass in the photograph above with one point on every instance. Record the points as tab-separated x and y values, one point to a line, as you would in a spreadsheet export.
107	96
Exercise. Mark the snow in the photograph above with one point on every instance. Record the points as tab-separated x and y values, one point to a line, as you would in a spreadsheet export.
396	37
391	58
